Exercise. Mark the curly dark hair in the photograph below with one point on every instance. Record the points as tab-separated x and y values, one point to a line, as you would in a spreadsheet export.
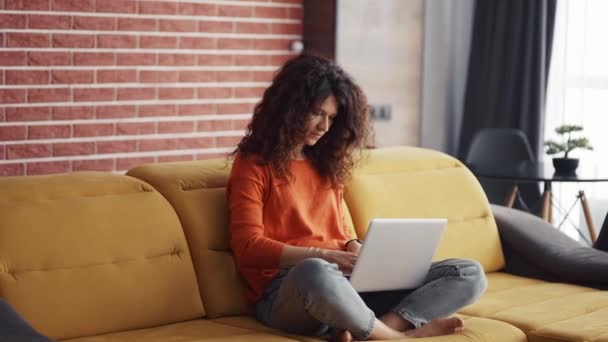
279	120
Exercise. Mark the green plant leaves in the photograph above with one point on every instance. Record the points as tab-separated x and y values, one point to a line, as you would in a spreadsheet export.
570	144
554	147
568	129
579	143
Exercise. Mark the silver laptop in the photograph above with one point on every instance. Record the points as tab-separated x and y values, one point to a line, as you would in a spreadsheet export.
397	254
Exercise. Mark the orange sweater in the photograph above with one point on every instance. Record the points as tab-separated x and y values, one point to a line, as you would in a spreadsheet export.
266	213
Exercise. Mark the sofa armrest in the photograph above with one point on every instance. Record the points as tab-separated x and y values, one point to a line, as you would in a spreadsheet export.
534	248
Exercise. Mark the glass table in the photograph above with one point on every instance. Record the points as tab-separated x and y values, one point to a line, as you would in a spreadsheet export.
536	172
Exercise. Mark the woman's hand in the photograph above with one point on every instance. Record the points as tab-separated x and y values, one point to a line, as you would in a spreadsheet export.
345	260
354	247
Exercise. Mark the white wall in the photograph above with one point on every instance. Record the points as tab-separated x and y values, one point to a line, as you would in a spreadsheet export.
379	42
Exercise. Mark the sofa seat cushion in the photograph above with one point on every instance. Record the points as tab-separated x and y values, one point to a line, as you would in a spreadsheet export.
482	329
476	329
545	311
248	322
588	328
190	331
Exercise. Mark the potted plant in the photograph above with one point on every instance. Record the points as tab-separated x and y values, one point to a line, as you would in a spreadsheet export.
569	143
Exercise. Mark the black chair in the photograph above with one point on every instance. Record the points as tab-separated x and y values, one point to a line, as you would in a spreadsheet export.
501	146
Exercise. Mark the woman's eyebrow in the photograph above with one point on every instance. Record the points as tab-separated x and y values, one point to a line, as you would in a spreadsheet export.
325	112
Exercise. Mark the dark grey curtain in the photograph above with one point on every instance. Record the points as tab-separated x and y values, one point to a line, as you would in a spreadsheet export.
508	68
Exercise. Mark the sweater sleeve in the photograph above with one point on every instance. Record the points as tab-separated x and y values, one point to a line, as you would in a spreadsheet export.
246	189
349	232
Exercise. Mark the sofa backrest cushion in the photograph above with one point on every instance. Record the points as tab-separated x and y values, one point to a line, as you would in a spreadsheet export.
197	191
421	183
91	253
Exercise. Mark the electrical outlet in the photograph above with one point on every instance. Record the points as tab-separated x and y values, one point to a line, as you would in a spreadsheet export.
381	112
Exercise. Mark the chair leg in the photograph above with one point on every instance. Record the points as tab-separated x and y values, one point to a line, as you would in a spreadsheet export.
550	218
545	211
510	200
588	217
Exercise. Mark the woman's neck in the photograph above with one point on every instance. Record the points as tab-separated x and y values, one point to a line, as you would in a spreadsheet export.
298	153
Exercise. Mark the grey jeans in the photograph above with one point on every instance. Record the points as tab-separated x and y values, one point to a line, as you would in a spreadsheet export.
313	296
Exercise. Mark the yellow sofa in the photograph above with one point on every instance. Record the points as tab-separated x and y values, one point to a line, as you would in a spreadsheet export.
95	256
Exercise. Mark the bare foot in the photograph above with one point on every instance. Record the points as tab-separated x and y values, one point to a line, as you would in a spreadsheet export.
438	327
396	322
341	336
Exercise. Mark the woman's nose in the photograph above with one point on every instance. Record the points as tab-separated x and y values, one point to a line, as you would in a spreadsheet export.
325	123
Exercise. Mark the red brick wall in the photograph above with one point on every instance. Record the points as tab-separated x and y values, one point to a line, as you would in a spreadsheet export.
109	84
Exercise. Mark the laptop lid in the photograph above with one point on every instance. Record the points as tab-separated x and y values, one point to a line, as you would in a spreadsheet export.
397	254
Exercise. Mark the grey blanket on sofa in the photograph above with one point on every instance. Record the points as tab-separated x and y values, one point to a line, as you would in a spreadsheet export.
534	248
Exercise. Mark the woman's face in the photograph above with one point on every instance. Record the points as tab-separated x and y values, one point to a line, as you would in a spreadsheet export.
320	120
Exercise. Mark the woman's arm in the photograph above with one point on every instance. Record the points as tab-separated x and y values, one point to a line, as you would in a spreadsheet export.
246	191
292	255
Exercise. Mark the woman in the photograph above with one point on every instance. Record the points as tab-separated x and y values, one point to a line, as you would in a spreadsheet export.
288	234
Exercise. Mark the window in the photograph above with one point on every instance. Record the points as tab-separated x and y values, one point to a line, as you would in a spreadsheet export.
578	94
